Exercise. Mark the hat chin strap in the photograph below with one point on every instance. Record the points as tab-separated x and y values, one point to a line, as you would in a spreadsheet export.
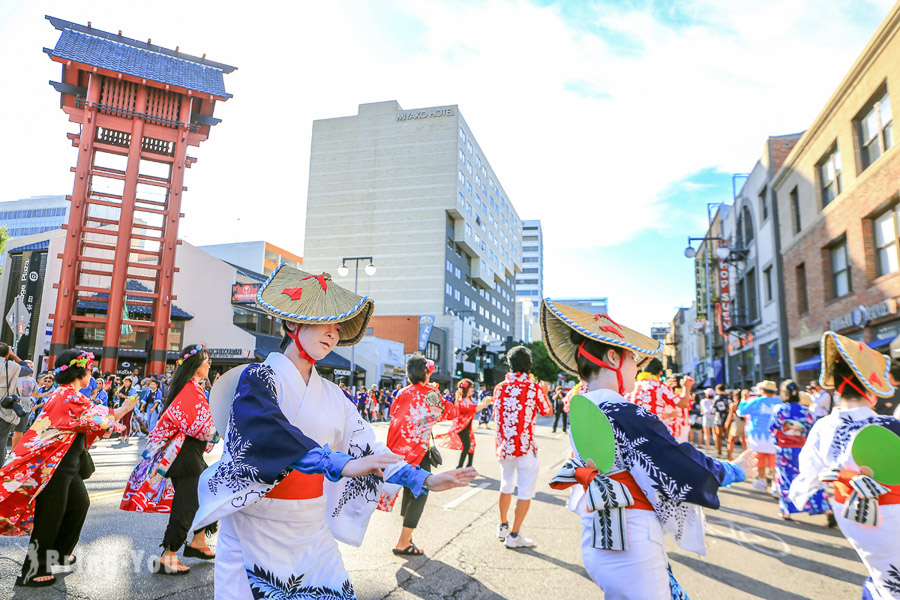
600	363
295	335
849	381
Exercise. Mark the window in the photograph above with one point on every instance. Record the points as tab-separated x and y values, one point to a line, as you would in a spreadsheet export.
462	135
469	167
767	278
468	229
461	178
841	283
456	295
802	297
795	209
469	208
763	203
829	173
469	147
886	242
530	270
433	352
449	289
458	274
530	259
449	267
875	129
460	198
466	301
747	220
752	298
462	155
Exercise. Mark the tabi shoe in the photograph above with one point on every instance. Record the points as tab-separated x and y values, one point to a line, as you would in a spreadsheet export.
759	485
502	531
519	541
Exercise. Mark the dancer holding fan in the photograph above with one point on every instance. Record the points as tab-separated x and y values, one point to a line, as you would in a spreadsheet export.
650	485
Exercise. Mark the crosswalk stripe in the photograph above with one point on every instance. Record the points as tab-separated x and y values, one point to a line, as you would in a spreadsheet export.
466	496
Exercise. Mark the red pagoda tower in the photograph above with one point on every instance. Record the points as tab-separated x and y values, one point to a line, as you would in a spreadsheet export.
139	107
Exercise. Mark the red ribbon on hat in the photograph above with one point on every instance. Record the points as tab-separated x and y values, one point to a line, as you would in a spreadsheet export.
294	293
614	328
321	280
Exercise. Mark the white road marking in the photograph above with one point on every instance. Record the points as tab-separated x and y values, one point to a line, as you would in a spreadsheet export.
466	496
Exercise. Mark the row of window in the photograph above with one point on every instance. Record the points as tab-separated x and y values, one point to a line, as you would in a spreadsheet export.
32	213
23	231
874	133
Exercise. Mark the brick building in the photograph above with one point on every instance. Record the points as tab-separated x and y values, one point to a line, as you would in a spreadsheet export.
837	200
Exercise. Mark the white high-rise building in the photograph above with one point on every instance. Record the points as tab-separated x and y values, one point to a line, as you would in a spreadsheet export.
414	190
530	282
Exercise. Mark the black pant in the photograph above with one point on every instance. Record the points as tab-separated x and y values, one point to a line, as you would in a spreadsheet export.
465	438
59	513
565	419
411	507
184	508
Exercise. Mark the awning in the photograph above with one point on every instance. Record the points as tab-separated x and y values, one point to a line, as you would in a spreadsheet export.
100	303
336	361
815	363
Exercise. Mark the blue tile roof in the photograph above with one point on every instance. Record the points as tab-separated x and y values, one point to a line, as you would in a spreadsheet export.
109	51
35	246
102	301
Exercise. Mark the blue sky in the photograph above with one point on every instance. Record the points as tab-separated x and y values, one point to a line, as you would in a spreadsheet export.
613	122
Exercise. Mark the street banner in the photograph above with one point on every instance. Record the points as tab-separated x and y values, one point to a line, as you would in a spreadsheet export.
700	278
426	322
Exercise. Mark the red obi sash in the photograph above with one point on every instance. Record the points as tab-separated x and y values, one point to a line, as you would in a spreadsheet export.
298	486
842	490
585	474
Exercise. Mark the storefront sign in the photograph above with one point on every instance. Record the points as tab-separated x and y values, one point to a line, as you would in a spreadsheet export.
861	315
724	277
700	277
242	293
30	288
426	323
229	353
342	372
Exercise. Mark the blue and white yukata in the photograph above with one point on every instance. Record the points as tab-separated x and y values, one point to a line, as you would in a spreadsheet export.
284	548
676	479
790	425
828	450
760	410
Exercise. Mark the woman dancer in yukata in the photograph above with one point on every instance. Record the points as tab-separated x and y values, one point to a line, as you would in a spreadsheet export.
657	486
300	469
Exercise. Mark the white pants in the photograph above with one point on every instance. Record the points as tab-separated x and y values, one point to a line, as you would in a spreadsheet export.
522	470
877	547
639	573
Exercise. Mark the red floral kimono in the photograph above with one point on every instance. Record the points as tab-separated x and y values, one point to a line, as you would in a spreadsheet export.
466	411
34	459
148	489
412	417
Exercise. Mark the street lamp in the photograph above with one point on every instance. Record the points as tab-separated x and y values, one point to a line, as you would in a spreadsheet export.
462	329
723	252
343	271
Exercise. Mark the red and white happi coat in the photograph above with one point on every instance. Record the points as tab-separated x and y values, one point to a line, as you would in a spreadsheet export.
655	396
517	402
148	489
34	460
413	417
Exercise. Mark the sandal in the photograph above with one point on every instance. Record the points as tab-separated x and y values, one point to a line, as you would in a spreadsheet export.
160	568
32	582
832	522
70	560
203	553
411	550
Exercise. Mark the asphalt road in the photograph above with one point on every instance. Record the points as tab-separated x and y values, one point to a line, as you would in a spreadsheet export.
751	553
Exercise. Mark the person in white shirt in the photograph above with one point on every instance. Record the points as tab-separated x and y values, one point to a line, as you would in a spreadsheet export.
821	401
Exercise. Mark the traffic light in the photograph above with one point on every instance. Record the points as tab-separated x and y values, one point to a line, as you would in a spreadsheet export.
459	369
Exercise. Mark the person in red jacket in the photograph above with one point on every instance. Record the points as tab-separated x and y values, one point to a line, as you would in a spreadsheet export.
461	437
517	402
413	414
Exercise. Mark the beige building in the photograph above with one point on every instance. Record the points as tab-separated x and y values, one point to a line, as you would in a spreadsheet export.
414	190
837	202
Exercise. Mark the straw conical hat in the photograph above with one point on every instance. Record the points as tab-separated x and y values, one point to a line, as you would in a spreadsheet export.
558	320
871	367
301	297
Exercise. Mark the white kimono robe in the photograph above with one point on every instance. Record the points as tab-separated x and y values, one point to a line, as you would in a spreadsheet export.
280	548
828	448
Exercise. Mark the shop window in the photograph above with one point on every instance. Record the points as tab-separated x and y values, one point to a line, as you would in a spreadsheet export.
433	352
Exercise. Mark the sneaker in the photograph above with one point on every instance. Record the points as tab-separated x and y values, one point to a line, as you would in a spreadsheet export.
759	485
519	541
776	493
502	531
